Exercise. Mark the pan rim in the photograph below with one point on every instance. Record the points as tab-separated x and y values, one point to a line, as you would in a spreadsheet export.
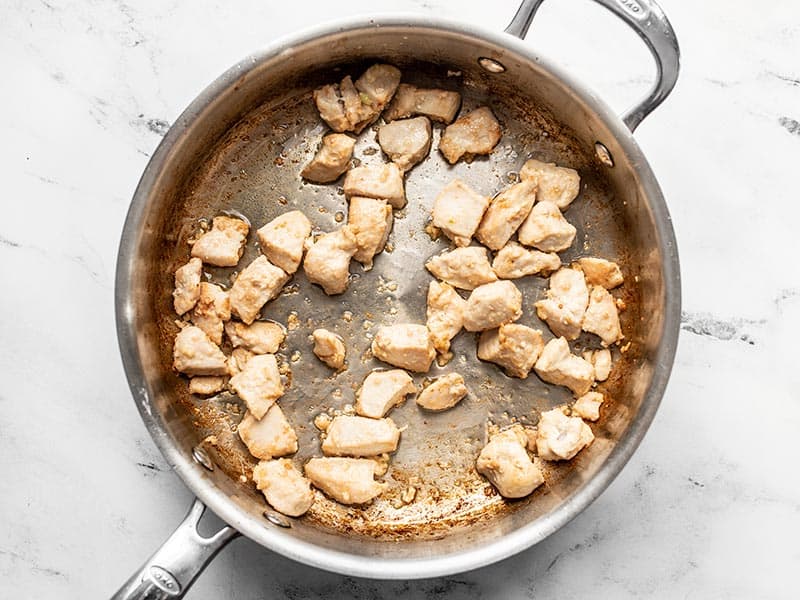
379	567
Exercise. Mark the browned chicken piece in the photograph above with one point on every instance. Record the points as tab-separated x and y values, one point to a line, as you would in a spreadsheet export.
558	185
284	487
206	385
504	461
384	182
406	142
566	302
547	229
382	391
331	160
404	345
409	101
223	245
213	308
445	315
561	437
492	305
599	271
195	354
327	261
601	317
477	132
256	285
505	214
558	365
601	361
360	437
514	261
346	480
351	107
262	337
371	221
458	211
187	286
464	268
271	437
283	239
259	384
588	406
329	348
443	393
514	347
238	359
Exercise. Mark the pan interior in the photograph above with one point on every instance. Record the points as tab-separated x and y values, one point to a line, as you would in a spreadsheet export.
242	153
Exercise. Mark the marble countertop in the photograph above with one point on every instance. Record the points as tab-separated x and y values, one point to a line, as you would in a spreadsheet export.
709	507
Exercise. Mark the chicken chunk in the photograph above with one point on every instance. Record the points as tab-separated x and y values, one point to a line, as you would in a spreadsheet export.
547	229
262	337
492	305
351	107
444	392
445	315
284	487
514	261
195	354
238	359
464	268
213	308
360	436
187	286
601	361
513	347
223	245
561	437
329	348
383	182
270	437
601	316
346	480
327	261
382	391
256	285
565	304
370	220
477	132
588	406
506	464
283	239
206	385
599	271
258	384
505	214
409	101
558	185
406	142
556	364
404	345
458	211
331	160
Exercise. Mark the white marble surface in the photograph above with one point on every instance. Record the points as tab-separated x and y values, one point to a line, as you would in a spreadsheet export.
709	507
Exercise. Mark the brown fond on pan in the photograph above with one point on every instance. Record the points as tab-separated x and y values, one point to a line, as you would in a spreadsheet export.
254	171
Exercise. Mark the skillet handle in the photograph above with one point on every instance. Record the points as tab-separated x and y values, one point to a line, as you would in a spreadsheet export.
170	572
647	19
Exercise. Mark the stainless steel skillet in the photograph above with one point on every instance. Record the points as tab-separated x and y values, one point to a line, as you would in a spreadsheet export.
239	146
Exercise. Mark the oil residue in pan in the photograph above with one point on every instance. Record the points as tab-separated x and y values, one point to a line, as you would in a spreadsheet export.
255	172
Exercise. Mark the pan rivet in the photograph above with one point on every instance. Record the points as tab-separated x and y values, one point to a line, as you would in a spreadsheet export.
491	65
200	455
277	519
603	154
